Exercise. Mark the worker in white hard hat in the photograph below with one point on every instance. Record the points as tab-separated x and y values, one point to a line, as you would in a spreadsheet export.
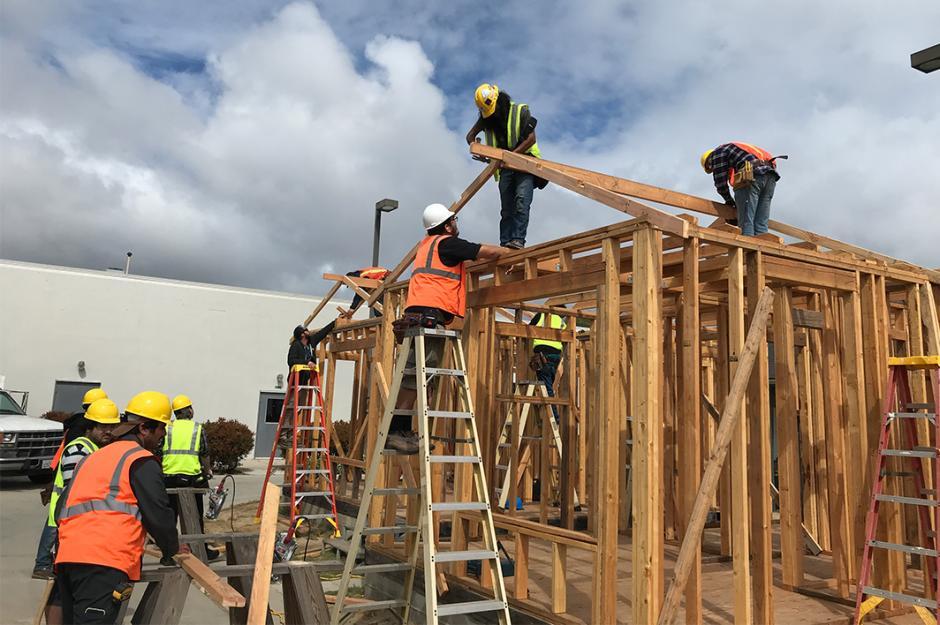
437	294
509	125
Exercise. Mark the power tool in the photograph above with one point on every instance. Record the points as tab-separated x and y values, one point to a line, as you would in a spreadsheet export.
286	544
217	498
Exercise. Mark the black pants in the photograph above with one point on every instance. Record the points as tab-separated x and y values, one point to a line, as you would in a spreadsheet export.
186	481
87	593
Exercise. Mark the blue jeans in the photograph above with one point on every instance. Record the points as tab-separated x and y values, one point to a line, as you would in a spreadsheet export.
753	203
547	375
47	541
515	196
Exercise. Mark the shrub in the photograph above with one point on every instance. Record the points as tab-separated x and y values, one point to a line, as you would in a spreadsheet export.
229	442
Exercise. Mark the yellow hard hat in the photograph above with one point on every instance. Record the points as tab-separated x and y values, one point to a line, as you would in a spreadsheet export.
705	156
180	402
92	395
151	405
103	411
485	97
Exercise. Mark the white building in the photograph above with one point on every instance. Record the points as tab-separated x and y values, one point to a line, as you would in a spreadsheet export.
64	330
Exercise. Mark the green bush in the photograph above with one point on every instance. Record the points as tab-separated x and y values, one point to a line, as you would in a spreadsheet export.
229	442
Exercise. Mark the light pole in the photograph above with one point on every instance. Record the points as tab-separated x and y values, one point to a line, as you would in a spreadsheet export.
382	206
927	60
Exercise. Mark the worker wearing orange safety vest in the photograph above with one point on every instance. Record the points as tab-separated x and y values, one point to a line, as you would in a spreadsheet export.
115	499
437	294
752	173
370	273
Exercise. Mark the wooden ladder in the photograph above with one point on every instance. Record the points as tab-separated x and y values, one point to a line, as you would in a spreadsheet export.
470	453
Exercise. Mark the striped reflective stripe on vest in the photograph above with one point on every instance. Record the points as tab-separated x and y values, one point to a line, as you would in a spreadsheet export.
192	451
431	270
110	502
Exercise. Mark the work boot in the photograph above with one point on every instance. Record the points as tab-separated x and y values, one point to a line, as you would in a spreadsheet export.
42	572
403	442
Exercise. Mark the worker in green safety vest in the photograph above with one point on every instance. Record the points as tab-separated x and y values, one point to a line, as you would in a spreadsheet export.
100	418
547	353
186	461
510	126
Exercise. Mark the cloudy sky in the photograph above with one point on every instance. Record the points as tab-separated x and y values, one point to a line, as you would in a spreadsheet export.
246	142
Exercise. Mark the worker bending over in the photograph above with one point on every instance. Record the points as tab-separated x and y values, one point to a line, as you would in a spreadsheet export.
752	172
115	499
186	461
98	424
72	428
510	126
547	354
437	294
371	273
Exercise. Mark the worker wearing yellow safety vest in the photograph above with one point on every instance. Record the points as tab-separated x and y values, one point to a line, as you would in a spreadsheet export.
510	126
97	425
547	353
186	462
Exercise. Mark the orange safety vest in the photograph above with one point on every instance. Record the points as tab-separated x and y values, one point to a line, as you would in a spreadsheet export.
760	153
433	283
99	522
374	273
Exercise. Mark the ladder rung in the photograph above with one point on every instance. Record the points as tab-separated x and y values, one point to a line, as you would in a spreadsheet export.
921	551
455	459
302	449
459	506
436	414
432	332
429	371
897	596
311	427
396	491
308	407
307	386
450	439
910	453
531	438
314	493
463	556
382	568
470	607
316	516
502	467
369	606
309	471
912	415
914	501
390	529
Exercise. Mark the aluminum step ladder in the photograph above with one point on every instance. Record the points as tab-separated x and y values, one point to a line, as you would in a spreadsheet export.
303	433
467	451
899	410
523	393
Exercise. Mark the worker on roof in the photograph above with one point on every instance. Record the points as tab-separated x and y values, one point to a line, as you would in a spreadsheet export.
370	273
510	126
437	294
186	461
752	172
98	423
115	499
73	427
546	354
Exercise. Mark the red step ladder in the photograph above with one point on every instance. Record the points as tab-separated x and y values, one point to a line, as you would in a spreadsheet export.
308	469
900	410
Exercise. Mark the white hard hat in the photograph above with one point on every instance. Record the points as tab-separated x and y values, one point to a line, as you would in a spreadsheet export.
435	215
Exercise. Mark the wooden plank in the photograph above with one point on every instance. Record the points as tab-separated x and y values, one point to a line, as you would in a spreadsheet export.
928	309
647	442
788	442
729	419
521	577
759	457
261	581
360	292
802	274
323	302
536	288
533	332
804	318
740	515
304	603
559	578
689	438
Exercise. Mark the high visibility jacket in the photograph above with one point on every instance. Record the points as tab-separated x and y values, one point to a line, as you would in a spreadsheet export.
374	273
100	522
433	283
555	322
58	485
513	132
760	153
181	448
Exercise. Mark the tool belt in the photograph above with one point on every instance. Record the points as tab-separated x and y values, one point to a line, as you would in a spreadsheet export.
537	361
412	320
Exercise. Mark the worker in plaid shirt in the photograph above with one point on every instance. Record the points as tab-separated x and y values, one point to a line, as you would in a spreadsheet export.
752	199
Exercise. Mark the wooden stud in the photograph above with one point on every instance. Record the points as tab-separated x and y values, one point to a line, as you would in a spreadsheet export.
261	582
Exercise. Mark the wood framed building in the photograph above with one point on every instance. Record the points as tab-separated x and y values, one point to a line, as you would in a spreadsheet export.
656	311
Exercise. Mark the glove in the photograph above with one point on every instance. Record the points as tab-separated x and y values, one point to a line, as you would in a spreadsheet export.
45	495
537	361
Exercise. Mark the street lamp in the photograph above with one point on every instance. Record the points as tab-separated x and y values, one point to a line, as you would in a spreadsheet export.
927	60
382	206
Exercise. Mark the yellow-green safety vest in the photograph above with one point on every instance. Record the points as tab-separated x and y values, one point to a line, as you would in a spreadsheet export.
556	323
513	128
181	448
58	485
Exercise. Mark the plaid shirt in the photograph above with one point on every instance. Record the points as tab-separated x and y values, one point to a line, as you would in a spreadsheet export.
728	156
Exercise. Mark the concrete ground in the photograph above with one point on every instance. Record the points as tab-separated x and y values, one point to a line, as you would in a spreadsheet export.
21	520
